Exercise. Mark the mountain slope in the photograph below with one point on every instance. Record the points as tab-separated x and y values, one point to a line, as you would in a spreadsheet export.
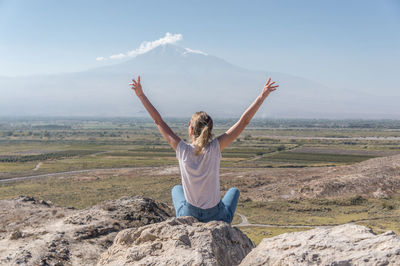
179	83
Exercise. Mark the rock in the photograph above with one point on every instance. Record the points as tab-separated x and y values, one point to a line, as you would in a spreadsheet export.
347	244
115	215
15	235
36	232
380	194
179	241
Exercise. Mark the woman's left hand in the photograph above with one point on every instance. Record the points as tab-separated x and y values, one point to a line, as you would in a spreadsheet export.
137	87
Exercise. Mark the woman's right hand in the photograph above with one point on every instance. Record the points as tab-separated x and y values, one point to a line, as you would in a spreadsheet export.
269	87
137	87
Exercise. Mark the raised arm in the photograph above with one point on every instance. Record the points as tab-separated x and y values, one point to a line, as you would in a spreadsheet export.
229	136
165	130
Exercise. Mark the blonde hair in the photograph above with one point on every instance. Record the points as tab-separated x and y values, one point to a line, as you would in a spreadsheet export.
202	125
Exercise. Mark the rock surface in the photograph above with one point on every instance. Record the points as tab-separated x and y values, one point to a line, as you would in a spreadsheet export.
377	177
35	232
346	244
179	241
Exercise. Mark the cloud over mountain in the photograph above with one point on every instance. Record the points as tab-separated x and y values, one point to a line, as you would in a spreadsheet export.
148	46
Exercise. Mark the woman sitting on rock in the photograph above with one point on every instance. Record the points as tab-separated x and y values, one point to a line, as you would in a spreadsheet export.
199	162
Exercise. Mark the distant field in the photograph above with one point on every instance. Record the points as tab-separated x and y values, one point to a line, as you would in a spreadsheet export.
67	145
42	146
315	158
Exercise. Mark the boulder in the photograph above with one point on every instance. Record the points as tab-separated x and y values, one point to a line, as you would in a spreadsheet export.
347	244
37	232
179	241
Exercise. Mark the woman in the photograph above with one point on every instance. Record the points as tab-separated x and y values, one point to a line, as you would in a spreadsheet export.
199	162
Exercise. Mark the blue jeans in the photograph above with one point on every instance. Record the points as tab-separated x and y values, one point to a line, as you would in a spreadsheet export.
224	210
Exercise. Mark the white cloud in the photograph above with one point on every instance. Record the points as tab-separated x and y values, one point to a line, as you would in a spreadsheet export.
147	46
188	50
117	56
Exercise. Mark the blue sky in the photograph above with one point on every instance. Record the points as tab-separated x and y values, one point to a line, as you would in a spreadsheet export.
351	44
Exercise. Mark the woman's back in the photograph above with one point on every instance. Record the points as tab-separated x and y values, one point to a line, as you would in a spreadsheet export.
199	162
200	174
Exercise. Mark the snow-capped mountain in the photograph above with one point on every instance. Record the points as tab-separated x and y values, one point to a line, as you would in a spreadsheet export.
180	81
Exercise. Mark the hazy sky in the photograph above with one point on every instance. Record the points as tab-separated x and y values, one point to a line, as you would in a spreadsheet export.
351	44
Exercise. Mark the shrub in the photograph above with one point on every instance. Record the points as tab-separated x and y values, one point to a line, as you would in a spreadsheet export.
280	148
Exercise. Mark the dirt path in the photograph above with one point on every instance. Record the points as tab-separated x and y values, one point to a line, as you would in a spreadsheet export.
100	152
270	154
37	166
68	173
245	222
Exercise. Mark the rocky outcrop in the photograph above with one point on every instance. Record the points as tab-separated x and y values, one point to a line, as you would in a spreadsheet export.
377	177
140	231
115	215
347	244
35	232
179	241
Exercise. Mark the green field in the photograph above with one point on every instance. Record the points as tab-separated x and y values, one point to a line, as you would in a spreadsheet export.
66	145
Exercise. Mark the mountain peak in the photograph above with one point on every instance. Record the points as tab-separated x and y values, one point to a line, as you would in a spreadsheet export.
174	50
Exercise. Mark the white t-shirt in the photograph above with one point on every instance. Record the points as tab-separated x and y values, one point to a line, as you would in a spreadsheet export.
200	174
